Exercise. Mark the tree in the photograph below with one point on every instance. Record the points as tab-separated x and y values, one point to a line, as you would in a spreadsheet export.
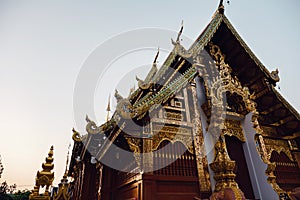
1	167
5	189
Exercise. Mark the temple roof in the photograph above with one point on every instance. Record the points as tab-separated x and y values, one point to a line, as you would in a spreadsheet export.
275	111
161	84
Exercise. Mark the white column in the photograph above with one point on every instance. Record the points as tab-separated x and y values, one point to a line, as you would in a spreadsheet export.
262	189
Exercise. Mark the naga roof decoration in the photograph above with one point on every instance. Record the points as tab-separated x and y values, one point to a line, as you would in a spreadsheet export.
144	85
153	69
166	93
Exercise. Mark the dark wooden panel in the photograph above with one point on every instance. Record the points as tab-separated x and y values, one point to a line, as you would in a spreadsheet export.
184	165
128	193
236	153
176	187
170	187
287	172
89	184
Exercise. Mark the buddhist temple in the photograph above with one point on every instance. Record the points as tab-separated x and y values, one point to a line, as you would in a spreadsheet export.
208	124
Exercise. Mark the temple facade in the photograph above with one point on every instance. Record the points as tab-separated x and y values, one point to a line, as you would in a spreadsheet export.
209	123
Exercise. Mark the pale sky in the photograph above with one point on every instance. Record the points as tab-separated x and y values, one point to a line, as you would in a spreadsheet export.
44	44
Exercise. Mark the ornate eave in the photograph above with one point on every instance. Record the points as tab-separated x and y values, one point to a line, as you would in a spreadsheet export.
210	31
248	50
280	116
286	104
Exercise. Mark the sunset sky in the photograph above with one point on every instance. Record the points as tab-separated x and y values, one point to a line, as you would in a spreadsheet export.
44	45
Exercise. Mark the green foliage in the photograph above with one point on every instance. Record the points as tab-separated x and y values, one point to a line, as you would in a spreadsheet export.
5	197
21	195
17	196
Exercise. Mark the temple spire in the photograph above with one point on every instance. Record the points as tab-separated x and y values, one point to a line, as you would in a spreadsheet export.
63	191
44	178
65	176
68	155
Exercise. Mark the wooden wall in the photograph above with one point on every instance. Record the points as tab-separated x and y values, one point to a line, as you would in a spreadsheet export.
236	153
176	181
287	172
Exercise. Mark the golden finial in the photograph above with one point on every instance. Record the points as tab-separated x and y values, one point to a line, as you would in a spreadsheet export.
221	6
131	90
155	59
275	75
65	176
108	104
108	108
118	96
180	32
178	35
221	3
44	178
87	119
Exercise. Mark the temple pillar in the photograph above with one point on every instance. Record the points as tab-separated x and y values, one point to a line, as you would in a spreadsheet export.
200	152
99	183
223	168
147	156
262	189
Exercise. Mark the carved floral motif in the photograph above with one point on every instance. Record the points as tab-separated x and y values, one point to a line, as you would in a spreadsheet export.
234	128
224	83
278	146
172	134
